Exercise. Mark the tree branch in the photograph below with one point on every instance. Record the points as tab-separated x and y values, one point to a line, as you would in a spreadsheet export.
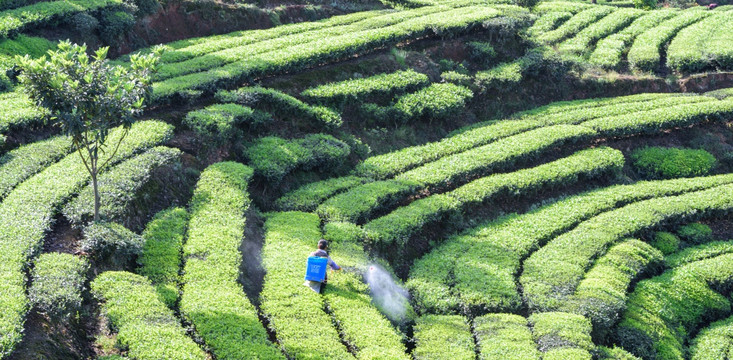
116	148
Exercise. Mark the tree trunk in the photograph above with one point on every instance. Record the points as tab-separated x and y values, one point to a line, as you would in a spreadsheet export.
96	196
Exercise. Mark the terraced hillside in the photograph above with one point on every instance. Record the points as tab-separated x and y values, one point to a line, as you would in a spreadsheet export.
495	181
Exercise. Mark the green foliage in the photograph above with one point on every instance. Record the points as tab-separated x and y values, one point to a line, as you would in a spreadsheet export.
548	21
274	157
21	163
247	62
212	298
111	243
452	276
557	330
668	163
504	336
443	337
614	353
161	259
552	273
295	312
645	4
578	22
703	45
22	18
481	52
114	24
645	54
57	283
282	105
601	295
437	101
19	112
308	197
664	310
145	327
667	243
372	89
610	24
695	233
27	212
609	52
713	342
119	186
88	99
397	227
220	123
699	252
358	203
501	76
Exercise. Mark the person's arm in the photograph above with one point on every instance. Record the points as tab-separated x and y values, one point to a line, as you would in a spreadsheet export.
333	264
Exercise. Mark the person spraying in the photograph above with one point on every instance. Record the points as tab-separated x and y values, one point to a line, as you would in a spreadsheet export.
316	266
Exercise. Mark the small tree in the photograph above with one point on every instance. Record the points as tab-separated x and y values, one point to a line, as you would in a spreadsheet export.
88	97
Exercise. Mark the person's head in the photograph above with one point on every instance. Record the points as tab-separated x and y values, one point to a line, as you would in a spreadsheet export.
323	244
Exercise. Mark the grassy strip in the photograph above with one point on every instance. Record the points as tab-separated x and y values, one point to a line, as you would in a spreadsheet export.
456	275
645	53
610	51
274	158
119	186
308	197
325	50
397	227
21	163
373	88
552	273
559	335
504	337
161	259
212	299
714	342
57	284
577	23
697	253
296	313
703	45
19	112
662	311
549	21
281	104
584	40
443	337
601	295
16	20
27	212
145	326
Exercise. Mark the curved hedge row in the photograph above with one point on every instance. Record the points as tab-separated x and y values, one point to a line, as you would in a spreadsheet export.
645	51
21	163
219	123
308	197
19	112
118	186
16	20
443	337
455	275
713	342
587	38
553	272
398	226
703	45
371	89
578	22
145	326
281	104
57	283
296	313
504	337
697	253
610	51
161	259
212	298
601	295
325	49
27	212
664	310
562	335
